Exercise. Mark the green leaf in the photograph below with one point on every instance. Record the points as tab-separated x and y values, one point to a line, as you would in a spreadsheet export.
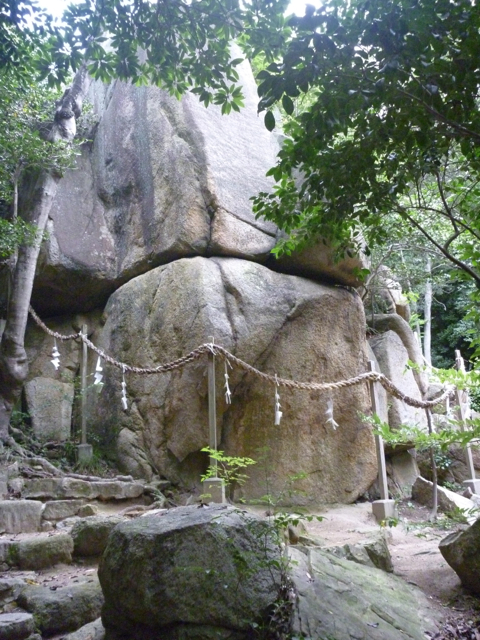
288	105
269	121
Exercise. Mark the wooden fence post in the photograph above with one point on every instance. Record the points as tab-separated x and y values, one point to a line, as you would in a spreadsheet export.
84	450
214	487
463	406
383	508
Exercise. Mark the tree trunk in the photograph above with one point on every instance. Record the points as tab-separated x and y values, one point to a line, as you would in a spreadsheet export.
13	358
427	314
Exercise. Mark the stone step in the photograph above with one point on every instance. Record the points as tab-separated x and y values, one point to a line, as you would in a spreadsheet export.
63	609
16	626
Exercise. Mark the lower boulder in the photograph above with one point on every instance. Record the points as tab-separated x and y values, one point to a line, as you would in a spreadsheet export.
341	599
208	572
462	552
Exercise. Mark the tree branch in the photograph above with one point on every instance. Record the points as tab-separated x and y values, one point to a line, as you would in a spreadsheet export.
461	265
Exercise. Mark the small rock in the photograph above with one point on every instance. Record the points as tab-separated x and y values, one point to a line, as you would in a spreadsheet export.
61	509
47	526
91	631
90	536
16	626
15	485
87	510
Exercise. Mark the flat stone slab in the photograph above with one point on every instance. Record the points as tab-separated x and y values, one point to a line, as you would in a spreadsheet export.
344	600
61	509
16	626
65	488
20	516
40	553
66	609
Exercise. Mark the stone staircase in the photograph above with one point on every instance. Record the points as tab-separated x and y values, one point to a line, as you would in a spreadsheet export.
53	529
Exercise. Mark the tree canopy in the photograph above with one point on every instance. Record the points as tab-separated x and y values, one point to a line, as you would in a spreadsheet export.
395	106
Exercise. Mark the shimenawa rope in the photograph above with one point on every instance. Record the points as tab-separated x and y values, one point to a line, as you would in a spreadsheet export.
217	350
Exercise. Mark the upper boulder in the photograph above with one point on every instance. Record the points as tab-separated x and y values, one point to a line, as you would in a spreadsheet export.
163	179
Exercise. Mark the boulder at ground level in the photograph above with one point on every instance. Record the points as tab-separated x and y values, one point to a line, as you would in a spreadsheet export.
462	552
345	600
65	609
41	553
20	516
422	492
90	535
16	626
202	568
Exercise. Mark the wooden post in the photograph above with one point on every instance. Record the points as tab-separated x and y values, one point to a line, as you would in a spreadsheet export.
214	486
84	450
212	407
383	508
83	371
461	402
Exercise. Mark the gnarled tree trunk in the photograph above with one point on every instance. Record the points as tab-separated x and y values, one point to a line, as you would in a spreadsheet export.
13	358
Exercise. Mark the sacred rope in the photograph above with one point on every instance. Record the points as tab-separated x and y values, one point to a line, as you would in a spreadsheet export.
217	350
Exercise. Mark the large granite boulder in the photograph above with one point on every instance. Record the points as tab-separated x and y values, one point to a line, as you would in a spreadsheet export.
392	358
206	572
281	324
341	599
462	552
163	179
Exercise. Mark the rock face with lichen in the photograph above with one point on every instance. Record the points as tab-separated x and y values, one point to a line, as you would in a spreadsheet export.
282	324
153	244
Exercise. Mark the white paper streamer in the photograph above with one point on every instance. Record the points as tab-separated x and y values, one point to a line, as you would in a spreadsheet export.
56	355
124	392
98	376
329	414
228	393
278	413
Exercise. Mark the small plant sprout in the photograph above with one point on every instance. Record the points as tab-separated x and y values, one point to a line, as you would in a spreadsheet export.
228	468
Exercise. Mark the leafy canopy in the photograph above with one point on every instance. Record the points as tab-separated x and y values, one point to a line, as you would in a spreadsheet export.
395	88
